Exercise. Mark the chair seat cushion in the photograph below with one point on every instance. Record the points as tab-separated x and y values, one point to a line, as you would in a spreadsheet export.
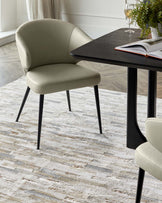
149	159
57	77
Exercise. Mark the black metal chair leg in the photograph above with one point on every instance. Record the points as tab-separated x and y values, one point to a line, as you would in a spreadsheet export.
41	101
68	99
23	103
98	107
140	185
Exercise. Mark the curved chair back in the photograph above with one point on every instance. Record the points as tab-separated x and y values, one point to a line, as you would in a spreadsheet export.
148	155
44	42
154	132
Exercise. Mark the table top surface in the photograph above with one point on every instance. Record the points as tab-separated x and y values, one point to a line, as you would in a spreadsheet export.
102	50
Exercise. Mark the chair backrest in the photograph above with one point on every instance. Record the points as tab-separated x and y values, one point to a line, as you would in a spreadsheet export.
154	132
48	41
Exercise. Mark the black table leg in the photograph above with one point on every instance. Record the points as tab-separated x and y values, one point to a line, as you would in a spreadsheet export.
134	135
152	86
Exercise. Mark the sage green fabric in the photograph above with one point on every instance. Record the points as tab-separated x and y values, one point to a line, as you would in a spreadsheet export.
48	41
149	159
148	156
57	77
154	132
44	48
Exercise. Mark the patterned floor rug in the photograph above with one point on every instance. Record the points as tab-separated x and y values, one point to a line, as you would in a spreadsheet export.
75	164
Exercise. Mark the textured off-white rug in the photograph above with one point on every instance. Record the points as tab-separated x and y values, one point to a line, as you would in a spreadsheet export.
75	163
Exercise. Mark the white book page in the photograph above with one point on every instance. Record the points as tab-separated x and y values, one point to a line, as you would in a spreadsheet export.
136	49
138	46
145	46
133	49
153	45
156	54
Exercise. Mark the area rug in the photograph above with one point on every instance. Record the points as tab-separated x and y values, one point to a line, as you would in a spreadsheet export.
75	164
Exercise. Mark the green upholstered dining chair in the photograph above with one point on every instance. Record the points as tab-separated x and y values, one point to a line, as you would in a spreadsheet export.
148	155
44	48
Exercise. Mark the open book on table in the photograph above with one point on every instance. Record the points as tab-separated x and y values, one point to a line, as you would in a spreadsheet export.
148	47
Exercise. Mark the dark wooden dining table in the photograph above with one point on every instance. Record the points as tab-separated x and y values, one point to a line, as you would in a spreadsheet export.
102	50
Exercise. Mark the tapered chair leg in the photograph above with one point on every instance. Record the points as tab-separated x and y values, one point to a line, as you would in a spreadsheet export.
41	102
140	185
98	107
23	103
68	99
